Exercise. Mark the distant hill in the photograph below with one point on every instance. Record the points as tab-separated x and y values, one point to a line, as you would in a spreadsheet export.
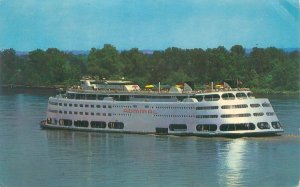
291	49
145	52
75	52
78	52
248	50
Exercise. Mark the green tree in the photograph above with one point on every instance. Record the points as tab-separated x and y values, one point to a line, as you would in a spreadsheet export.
133	63
35	70
9	71
285	75
104	62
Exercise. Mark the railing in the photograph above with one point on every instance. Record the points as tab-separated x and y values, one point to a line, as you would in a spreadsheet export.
156	92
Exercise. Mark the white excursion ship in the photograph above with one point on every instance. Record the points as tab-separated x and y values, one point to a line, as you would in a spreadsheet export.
121	106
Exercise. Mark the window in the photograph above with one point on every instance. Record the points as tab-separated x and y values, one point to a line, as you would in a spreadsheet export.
92	106
91	97
237	127
270	113
104	106
49	120
234	106
213	97
60	104
81	105
53	103
177	127
199	98
86	106
258	114
79	123
75	105
263	125
250	95
228	96
116	125
80	96
100	97
70	105
65	104
255	105
276	125
65	122
235	115
206	116
206	127
241	95
207	108
70	95
98	124
98	106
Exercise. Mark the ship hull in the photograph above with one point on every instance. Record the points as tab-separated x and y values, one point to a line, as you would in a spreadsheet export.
208	118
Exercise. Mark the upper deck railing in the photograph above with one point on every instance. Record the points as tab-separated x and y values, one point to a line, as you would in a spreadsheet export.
97	91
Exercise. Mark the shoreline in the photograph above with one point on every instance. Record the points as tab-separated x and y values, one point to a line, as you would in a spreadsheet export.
64	87
16	86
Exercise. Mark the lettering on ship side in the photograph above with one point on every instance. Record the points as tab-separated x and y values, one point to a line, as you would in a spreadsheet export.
139	111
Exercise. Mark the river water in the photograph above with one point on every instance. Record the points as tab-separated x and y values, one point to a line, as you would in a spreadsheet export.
32	157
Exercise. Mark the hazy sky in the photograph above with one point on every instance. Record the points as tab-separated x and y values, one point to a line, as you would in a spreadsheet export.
148	24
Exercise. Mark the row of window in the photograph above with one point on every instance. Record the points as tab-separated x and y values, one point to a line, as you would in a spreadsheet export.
172	127
85	124
235	115
237	127
225	96
206	116
172	116
165	115
226	127
80	105
166	107
206	127
207	108
234	106
173	107
265	125
114	106
81	113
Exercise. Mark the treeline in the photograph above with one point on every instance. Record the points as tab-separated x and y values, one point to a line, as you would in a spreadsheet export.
262	68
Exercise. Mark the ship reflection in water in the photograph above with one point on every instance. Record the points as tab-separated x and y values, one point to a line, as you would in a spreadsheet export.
233	163
130	159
